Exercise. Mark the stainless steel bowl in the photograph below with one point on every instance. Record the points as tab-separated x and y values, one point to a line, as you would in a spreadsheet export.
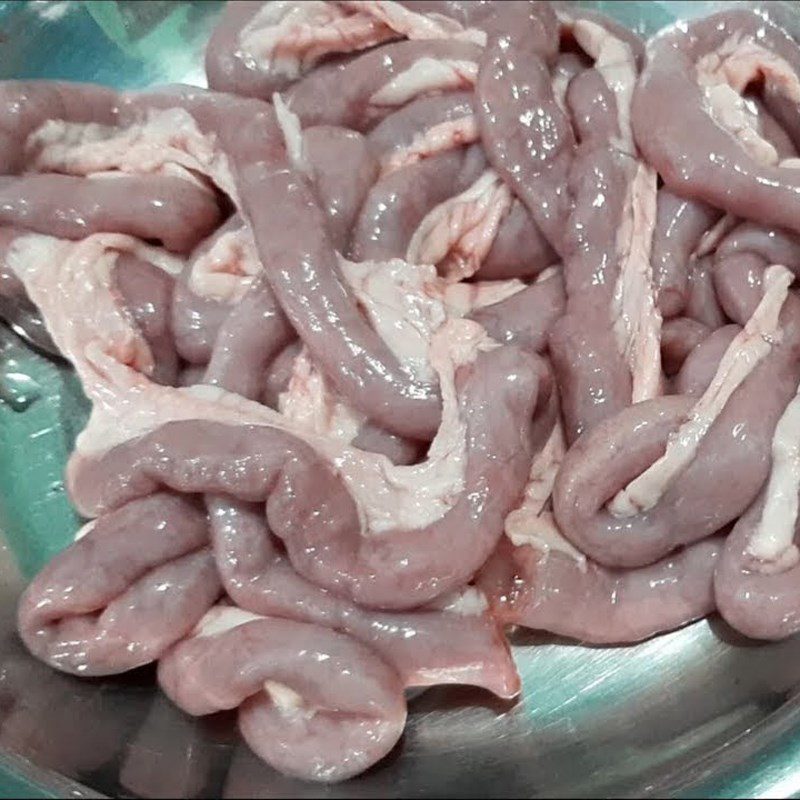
697	713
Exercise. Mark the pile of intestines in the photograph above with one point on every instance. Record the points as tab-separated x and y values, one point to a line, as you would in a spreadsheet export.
426	320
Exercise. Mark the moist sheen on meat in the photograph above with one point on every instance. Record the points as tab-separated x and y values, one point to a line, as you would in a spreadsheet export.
424	321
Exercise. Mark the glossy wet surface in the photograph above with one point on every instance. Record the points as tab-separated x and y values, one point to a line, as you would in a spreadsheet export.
700	712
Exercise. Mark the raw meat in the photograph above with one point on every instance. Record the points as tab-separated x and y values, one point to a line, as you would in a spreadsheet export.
137	582
428	319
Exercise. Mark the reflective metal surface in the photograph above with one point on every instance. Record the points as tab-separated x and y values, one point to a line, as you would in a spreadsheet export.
697	713
28	325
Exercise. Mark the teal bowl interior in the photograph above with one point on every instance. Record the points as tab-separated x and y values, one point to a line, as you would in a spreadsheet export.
696	713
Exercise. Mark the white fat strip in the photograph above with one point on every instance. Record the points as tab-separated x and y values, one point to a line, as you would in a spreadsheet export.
425	76
413	496
724	75
741	60
548	272
163	137
560	84
772	543
530	524
542	477
395	297
82	288
85	530
227	269
714	235
222	618
287	701
746	350
169	169
312	403
127	405
288	38
400	301
173	170
292	131
388	497
436	139
413	25
406	303
467	602
740	118
70	283
460	299
543	534
637	321
458	234
615	62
